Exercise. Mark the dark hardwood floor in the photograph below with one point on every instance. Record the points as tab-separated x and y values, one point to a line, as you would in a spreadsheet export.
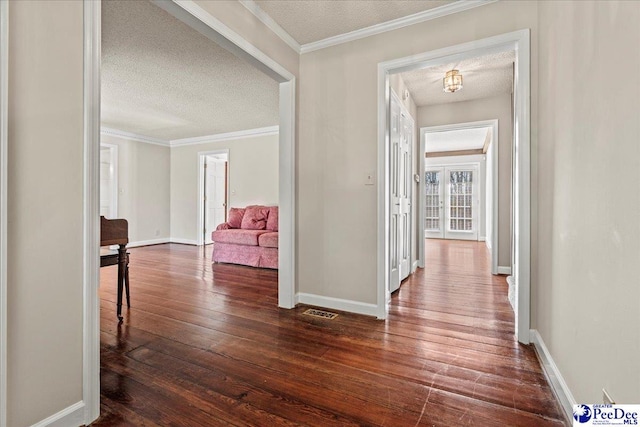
206	345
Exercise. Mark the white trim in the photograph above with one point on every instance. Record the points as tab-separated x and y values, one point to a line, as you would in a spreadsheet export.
200	173
271	24
183	241
554	377
520	42
228	136
287	196
337	304
414	266
133	136
416	18
148	242
69	416
217	137
91	213
4	108
504	270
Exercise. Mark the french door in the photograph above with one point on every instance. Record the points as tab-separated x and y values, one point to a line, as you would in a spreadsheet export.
452	202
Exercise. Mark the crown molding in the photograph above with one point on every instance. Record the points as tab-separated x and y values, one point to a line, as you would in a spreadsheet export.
133	136
271	24
427	15
249	133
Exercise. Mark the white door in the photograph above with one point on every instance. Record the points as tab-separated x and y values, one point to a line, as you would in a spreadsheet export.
406	186
215	203
452	203
108	182
434	203
462	203
401	140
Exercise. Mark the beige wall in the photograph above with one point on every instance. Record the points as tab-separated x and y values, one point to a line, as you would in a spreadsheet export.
497	107
143	188
587	284
253	179
45	146
239	19
338	138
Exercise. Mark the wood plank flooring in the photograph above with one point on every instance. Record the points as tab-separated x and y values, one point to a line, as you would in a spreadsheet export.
206	345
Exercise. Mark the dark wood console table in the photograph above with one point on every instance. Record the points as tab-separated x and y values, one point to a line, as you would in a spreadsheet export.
116	232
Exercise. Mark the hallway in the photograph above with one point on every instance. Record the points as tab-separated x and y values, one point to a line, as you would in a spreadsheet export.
206	345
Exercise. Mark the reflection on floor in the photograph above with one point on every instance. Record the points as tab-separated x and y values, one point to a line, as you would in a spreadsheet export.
206	345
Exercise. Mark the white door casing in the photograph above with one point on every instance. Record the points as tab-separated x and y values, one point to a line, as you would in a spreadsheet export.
518	41
195	16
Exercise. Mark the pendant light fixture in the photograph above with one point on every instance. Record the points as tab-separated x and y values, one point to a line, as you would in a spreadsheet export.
452	81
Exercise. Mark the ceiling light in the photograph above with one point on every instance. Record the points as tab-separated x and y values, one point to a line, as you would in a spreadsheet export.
452	81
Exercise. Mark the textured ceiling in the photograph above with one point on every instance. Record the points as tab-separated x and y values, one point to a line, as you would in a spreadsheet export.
482	77
312	20
161	78
452	140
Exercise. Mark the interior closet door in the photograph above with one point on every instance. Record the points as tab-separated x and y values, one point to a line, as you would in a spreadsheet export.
395	234
406	186
401	140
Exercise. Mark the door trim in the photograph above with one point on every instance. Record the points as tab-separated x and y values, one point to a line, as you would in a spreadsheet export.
520	42
193	15
200	216
494	148
4	109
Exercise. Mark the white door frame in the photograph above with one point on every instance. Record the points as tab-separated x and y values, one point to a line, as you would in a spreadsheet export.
113	152
4	108
493	147
201	157
519	41
193	15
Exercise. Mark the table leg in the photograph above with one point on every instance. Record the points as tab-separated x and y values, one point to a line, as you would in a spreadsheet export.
122	257
126	282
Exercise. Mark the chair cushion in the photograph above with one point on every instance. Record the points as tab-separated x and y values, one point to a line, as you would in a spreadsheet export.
272	221
268	240
235	217
237	236
255	218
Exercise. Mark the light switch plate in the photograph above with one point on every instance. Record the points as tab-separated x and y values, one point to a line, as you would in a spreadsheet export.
370	178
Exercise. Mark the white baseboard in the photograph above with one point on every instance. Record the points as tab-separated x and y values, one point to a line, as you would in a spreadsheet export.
183	241
72	416
511	282
148	242
504	270
414	267
337	304
554	377
488	243
482	239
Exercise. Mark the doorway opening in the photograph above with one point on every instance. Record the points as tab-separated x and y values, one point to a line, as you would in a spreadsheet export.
213	192
519	43
483	138
202	21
